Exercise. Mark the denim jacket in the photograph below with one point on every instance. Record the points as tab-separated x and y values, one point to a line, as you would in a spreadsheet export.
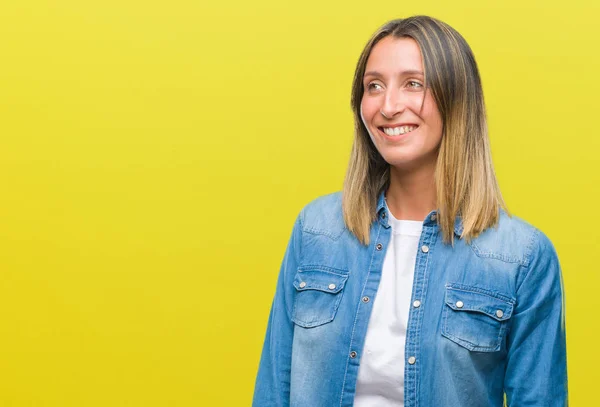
489	319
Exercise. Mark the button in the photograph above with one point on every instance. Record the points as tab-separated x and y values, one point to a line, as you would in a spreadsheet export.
459	304
366	299
424	249
499	313
417	304
332	286
433	217
412	360
383	215
302	284
379	246
352	354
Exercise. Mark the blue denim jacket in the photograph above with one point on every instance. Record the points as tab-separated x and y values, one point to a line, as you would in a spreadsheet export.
490	320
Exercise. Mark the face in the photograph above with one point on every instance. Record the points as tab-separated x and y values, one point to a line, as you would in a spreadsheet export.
409	134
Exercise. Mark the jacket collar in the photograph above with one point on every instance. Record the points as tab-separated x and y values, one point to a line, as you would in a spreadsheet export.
382	215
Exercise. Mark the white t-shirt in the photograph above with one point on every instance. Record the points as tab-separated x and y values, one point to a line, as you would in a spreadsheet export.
380	379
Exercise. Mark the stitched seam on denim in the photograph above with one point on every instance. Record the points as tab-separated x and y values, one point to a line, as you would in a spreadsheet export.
444	320
312	324
529	253
356	317
474	345
323	232
479	290
469	345
491	255
319	288
434	235
293	317
480	311
501	334
528	267
324	269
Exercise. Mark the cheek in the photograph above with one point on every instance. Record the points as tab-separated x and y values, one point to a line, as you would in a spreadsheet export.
362	116
432	117
366	112
368	108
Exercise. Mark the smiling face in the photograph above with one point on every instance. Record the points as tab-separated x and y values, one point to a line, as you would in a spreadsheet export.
400	114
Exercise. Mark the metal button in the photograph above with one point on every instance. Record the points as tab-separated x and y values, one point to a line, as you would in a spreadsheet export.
424	249
379	246
499	313
412	360
383	215
302	284
352	354
366	299
459	304
417	304
332	286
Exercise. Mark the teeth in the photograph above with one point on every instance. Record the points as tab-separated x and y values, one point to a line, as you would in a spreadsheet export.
396	131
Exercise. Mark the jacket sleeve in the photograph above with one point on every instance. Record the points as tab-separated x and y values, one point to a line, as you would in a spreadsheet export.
536	372
272	387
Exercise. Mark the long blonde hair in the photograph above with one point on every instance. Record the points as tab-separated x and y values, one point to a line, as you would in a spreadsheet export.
465	181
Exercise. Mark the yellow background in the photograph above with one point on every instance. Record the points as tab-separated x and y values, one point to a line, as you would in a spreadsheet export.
154	155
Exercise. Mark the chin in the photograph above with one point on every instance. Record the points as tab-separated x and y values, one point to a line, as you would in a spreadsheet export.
400	160
407	162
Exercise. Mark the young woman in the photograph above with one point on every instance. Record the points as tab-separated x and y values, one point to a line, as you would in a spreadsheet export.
414	286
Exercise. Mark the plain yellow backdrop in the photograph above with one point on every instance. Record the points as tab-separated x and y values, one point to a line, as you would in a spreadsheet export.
154	155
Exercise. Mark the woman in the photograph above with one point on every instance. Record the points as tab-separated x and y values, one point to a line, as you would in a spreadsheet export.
413	286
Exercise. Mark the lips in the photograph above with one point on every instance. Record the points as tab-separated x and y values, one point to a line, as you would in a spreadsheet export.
400	125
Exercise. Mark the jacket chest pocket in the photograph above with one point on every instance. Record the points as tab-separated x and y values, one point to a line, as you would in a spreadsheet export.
476	318
318	295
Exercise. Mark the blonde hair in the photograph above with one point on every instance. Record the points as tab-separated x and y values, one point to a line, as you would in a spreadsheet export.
465	181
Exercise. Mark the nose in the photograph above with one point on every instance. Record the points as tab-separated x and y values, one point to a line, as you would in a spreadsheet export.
394	102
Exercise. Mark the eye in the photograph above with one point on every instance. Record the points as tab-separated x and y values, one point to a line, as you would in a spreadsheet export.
414	84
374	86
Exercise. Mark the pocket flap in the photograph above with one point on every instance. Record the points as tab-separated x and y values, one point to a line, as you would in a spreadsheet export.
315	279
467	298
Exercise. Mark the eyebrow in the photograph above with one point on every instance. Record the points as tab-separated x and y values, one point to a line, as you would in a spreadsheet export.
409	72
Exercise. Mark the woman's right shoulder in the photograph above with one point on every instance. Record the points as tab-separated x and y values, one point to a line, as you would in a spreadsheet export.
323	215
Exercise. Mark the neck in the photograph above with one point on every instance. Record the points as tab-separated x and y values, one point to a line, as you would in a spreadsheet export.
411	195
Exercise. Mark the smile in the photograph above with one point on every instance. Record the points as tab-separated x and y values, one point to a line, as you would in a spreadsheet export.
397	131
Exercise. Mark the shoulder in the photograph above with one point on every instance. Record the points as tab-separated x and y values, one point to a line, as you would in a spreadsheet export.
512	240
323	215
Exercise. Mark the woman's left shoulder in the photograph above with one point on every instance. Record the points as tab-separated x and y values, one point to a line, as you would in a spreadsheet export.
513	239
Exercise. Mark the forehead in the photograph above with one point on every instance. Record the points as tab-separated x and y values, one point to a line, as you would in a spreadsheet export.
395	54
